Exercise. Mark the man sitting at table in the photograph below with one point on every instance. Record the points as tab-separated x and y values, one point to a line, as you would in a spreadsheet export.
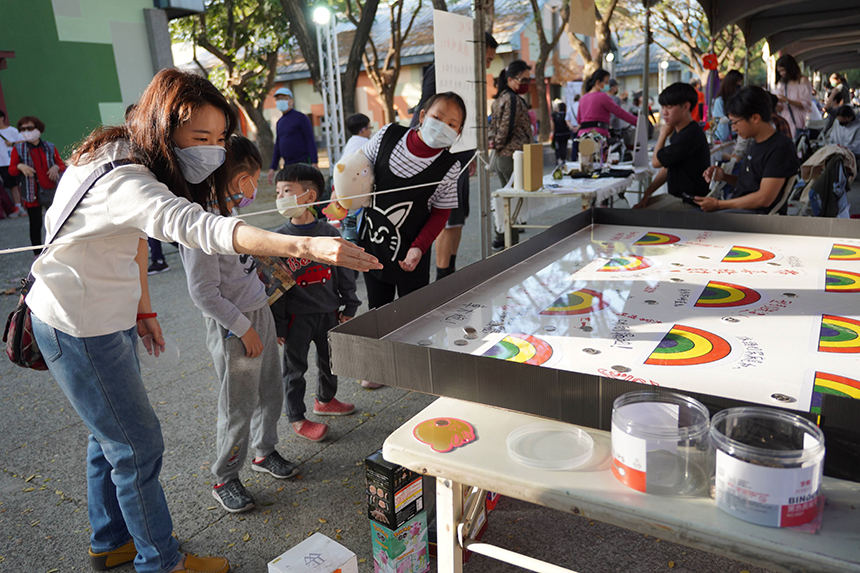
682	161
770	160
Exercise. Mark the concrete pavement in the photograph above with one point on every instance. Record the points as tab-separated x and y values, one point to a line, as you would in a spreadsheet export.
43	516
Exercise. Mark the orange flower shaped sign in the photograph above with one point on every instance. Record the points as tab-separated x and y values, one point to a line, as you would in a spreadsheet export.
444	434
710	61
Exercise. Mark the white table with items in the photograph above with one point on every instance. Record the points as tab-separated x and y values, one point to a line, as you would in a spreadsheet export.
592	491
557	192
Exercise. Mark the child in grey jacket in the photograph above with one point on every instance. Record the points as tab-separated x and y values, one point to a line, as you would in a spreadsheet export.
240	334
322	298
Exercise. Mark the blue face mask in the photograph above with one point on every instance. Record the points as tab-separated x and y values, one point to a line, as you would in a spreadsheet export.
200	161
606	88
283	105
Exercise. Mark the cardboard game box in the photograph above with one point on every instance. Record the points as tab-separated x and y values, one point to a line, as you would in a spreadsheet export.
316	554
394	493
401	550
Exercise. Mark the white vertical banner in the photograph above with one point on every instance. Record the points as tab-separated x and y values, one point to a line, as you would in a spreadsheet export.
455	67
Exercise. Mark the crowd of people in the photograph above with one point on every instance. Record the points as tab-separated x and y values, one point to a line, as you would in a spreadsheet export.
176	170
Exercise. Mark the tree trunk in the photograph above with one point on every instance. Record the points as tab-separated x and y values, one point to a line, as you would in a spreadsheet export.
356	51
588	65
387	93
543	107
306	34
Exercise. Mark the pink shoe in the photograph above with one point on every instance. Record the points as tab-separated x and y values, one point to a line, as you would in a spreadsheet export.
333	408
371	385
313	431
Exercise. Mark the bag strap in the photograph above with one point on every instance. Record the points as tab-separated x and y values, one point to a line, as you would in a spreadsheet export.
511	122
73	203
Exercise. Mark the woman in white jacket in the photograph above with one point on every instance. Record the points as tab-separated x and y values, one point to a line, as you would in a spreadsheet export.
90	300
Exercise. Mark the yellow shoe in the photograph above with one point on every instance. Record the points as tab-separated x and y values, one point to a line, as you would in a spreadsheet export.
111	559
204	565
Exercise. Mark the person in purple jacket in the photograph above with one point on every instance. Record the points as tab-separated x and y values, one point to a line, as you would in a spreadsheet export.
294	139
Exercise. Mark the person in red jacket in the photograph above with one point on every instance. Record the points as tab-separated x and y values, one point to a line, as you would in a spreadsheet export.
38	166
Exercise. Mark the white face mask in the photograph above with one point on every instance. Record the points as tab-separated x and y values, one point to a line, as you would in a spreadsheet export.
32	135
437	134
199	161
289	207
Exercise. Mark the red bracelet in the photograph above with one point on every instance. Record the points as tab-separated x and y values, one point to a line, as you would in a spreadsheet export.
145	315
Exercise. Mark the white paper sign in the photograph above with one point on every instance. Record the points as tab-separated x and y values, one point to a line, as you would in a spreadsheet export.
455	67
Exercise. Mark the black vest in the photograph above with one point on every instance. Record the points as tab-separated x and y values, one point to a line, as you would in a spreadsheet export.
393	220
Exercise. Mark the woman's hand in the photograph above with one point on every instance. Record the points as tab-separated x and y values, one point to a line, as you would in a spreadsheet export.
54	173
253	344
413	255
781	98
26	170
340	252
150	331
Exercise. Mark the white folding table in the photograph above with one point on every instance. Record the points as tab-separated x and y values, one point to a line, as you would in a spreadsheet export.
592	491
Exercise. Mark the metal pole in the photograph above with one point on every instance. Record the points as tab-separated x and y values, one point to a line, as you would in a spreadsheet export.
647	73
331	91
478	7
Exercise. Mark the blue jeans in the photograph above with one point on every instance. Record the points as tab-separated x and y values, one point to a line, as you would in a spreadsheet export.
100	376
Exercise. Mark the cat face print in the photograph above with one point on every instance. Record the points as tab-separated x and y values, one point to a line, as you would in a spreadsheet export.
383	226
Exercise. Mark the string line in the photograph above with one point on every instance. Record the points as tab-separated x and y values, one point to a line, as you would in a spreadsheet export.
243	217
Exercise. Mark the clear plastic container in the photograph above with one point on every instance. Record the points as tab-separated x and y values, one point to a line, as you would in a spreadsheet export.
165	360
550	446
769	465
660	443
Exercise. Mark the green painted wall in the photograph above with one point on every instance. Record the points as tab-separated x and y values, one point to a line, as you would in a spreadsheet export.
67	57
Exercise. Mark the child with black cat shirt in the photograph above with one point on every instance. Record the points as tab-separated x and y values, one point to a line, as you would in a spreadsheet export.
399	228
323	297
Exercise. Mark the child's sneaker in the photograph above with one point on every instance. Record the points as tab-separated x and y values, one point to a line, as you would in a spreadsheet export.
158	267
233	496
17	212
313	431
333	408
276	465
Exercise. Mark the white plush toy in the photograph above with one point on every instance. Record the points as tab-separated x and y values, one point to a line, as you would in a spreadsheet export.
353	175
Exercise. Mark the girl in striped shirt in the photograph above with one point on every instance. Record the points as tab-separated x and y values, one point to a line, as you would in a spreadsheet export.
398	228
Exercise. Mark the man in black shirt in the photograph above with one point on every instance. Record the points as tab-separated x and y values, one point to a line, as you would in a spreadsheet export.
770	161
683	160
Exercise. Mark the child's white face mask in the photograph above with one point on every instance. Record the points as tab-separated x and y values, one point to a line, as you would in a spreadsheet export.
289	207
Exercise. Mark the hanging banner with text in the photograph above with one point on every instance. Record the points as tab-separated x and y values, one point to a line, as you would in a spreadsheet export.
455	67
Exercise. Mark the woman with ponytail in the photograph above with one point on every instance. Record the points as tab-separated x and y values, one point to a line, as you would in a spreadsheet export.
510	127
596	107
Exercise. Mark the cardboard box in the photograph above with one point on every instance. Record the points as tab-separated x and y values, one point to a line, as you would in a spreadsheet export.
316	554
401	550
532	166
492	500
394	493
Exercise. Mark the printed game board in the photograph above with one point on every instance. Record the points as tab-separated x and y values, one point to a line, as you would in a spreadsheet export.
771	319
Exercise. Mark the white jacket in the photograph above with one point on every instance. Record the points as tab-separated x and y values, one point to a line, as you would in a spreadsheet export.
89	284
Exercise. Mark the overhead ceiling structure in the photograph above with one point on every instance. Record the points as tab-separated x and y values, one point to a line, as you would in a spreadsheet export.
825	34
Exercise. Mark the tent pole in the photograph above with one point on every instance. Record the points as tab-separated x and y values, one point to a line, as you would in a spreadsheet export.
487	229
646	77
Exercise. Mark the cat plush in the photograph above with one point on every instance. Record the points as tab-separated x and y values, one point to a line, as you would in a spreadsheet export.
353	175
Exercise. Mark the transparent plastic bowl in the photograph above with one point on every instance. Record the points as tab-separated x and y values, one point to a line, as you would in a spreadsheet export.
769	465
660	443
550	446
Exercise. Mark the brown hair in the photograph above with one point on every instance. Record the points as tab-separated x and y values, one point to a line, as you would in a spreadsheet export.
170	100
40	125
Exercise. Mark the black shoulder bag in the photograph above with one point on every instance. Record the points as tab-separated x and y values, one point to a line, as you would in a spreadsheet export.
21	347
